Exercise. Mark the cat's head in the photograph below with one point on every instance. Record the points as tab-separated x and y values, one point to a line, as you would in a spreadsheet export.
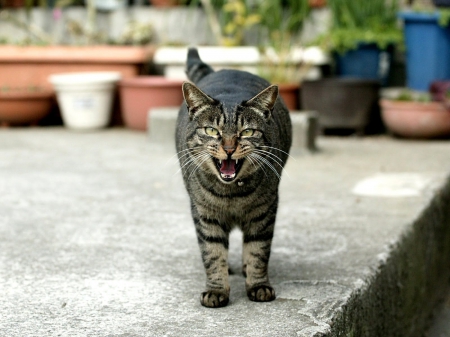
230	144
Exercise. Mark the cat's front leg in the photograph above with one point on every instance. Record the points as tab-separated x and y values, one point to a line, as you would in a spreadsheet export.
213	242
256	253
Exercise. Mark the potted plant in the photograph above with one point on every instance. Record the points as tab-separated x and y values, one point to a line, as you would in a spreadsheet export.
283	61
413	114
229	22
274	25
278	25
24	106
141	93
362	36
440	91
32	64
427	40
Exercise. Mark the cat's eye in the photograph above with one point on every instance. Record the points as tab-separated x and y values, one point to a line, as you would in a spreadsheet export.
247	133
211	131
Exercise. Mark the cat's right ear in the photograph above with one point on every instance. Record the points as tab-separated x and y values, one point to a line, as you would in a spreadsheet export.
196	100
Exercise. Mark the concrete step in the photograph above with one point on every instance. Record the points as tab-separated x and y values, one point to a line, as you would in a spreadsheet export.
97	240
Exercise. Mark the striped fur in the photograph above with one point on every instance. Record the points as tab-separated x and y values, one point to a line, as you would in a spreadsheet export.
233	138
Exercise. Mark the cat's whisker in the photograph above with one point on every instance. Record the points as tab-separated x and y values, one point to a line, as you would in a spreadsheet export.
268	164
203	159
251	160
191	161
192	165
275	159
274	148
176	154
184	164
184	155
256	159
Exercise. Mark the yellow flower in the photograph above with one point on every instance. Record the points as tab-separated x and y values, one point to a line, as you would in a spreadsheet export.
230	28
252	19
235	6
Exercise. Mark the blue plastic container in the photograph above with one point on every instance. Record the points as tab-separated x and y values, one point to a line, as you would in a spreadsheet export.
365	62
427	49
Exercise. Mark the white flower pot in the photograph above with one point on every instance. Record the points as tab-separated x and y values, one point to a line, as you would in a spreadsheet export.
109	5
85	99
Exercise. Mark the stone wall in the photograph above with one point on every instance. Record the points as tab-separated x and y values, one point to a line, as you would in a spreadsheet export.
172	26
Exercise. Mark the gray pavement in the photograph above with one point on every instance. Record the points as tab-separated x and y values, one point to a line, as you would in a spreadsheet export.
96	239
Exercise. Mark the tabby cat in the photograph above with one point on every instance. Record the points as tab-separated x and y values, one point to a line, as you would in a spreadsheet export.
233	138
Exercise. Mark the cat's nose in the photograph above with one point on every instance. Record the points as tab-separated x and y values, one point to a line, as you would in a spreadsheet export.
229	149
229	145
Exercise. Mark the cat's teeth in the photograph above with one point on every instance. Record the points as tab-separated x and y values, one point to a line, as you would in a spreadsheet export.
220	161
237	161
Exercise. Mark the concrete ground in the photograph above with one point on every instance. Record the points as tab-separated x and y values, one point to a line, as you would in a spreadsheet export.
96	239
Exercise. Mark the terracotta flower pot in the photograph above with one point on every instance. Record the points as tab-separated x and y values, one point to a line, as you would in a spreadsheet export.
290	92
12	3
416	119
22	107
22	66
317	3
165	3
139	94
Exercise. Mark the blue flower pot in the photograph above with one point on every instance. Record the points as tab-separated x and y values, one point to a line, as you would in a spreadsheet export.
366	62
427	49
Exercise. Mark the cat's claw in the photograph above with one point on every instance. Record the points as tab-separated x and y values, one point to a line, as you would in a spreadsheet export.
214	299
261	293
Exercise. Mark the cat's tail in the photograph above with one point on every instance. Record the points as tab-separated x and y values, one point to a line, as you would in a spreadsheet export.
196	69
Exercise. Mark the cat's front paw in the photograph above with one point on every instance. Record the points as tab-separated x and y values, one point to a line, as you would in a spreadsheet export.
261	293
214	299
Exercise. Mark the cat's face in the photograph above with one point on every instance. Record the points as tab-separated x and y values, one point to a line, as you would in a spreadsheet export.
229	145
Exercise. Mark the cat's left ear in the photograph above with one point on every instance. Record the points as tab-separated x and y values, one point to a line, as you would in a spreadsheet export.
264	101
196	99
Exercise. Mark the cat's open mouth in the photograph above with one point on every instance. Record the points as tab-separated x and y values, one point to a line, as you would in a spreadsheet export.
229	168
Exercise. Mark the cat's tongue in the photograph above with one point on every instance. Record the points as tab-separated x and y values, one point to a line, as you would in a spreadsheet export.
228	167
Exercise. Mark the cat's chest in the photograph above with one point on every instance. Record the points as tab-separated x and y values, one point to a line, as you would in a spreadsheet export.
232	197
230	202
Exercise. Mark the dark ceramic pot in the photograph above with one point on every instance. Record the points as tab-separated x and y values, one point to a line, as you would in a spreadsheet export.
441	3
344	103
